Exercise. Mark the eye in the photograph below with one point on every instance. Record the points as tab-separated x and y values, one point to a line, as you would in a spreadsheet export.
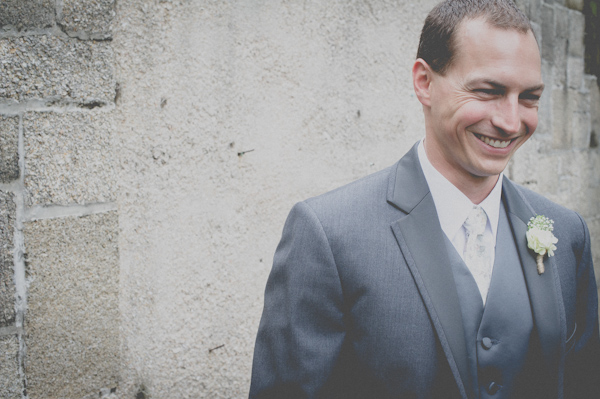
489	92
530	97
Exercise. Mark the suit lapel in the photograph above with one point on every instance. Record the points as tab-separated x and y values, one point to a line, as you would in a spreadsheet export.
544	290
421	241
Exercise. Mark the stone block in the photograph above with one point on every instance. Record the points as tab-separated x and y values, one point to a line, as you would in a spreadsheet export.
575	4
545	110
559	70
26	14
576	34
535	11
538	172
594	227
87	18
518	164
557	178
561	132
537	32
575	72
580	125
73	320
593	178
579	113
561	22
7	280
9	148
68	157
10	381
579	184
548	32
56	69
591	83
523	6
589	190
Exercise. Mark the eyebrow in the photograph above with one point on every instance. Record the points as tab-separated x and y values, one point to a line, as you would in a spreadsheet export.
536	88
501	86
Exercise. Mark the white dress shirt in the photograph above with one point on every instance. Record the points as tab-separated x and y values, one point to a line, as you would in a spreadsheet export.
453	207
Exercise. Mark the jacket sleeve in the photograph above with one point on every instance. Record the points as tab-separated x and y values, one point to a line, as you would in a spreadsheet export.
582	363
302	328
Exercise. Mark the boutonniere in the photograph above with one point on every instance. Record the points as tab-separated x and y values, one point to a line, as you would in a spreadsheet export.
540	239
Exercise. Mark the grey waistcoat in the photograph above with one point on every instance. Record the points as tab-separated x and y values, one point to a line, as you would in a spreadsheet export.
497	336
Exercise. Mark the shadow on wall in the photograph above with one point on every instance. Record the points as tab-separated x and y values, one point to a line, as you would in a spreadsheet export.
592	38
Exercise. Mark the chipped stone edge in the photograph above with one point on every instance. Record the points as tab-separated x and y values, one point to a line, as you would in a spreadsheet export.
39	212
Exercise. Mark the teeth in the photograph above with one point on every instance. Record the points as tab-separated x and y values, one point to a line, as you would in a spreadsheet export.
493	143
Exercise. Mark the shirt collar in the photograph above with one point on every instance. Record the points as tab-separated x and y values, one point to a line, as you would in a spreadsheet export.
452	205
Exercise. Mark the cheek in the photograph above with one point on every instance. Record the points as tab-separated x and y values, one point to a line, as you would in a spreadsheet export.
530	119
472	113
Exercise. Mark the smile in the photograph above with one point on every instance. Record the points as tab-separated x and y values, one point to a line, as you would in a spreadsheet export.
493	143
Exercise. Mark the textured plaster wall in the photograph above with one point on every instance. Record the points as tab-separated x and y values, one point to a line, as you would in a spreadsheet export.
150	151
230	112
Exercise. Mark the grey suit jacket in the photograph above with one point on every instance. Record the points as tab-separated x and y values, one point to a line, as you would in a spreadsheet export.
361	302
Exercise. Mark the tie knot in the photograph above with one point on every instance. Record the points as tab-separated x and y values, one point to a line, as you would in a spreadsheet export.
476	221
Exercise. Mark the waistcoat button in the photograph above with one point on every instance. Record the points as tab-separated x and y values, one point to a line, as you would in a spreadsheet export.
493	388
486	343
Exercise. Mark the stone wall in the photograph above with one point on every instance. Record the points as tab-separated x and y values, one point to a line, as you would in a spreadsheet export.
150	152
59	265
562	159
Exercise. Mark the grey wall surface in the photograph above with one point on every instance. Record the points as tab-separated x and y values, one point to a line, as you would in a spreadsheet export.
151	149
230	112
59	265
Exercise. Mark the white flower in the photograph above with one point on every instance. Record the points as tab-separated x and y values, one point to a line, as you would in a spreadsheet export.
540	239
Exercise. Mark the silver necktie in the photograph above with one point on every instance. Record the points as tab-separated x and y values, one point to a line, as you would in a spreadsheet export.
477	253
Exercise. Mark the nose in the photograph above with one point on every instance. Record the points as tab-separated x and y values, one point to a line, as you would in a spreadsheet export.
507	117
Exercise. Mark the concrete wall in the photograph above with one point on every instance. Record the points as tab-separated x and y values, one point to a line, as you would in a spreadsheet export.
150	152
230	112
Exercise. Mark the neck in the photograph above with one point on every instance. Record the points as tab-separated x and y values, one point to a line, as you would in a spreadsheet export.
476	188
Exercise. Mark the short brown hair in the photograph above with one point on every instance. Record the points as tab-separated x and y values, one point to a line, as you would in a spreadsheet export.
437	45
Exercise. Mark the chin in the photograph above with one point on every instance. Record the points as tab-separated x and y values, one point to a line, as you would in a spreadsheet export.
487	169
487	172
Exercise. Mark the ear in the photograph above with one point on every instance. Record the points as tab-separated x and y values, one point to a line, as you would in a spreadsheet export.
422	77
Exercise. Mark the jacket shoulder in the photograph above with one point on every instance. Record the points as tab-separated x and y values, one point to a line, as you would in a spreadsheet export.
542	205
567	222
366	190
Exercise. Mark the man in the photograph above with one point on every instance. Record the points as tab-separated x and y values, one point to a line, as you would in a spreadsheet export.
381	289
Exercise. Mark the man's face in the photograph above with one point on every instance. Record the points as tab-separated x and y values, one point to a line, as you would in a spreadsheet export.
486	105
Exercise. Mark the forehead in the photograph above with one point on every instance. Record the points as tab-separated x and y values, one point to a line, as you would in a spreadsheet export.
482	48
